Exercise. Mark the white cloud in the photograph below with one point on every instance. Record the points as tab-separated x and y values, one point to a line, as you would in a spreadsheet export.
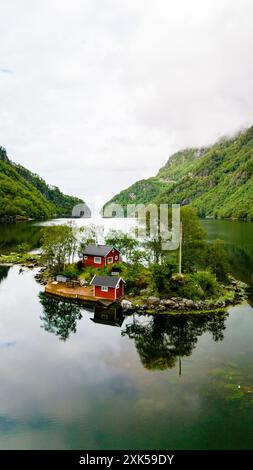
99	93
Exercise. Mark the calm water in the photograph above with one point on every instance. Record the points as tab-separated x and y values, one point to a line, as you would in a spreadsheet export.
73	377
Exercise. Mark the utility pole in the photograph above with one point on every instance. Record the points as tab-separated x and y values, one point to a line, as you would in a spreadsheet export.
180	248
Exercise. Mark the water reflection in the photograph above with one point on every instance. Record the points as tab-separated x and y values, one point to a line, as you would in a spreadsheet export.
112	316
12	235
4	270
164	339
238	241
161	341
59	317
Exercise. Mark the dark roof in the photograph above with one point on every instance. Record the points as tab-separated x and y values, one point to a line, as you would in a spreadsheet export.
107	281
98	250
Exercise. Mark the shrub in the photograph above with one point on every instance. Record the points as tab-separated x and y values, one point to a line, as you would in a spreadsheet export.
199	285
161	275
71	272
206	281
23	248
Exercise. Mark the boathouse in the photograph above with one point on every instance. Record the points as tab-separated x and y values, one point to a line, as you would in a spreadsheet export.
100	255
108	287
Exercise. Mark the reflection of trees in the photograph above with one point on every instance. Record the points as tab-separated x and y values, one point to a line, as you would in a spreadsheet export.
12	235
240	262
4	272
59	317
164	338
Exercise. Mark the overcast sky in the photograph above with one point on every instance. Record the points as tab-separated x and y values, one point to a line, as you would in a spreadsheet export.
96	94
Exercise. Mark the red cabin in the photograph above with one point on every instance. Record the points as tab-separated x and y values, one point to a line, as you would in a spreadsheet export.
98	256
108	287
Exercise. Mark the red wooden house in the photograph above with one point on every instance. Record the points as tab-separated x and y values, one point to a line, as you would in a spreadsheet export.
108	287
98	256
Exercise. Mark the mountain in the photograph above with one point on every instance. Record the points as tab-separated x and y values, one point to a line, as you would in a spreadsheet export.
141	192
216	180
25	194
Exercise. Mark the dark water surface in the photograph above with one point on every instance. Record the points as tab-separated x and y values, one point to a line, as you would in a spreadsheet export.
73	377
238	237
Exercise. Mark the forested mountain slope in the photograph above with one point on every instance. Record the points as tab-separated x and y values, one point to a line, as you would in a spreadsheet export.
23	193
217	181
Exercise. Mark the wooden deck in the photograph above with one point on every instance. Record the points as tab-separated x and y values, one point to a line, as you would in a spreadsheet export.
74	293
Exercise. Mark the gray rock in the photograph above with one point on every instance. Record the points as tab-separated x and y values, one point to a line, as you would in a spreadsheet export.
144	291
189	303
153	301
126	304
167	302
161	308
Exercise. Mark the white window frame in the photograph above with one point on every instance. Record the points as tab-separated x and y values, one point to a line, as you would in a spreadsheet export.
116	258
104	288
96	258
85	257
110	258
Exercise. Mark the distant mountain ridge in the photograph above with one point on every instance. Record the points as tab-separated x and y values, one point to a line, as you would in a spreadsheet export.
216	180
25	194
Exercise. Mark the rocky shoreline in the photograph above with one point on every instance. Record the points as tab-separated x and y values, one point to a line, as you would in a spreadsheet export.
153	305
23	260
12	219
235	294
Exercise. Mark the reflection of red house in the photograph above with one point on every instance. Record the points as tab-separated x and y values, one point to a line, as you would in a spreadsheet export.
98	256
108	287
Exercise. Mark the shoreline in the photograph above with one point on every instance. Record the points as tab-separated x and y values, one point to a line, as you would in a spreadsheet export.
178	305
12	220
235	293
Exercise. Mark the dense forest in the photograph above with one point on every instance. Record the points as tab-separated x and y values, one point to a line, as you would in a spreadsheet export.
25	194
217	180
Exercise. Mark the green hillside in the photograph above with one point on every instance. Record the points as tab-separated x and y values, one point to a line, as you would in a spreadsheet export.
217	181
23	193
141	192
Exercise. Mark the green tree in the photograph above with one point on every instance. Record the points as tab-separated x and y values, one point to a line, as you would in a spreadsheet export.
217	260
123	242
58	246
139	257
161	274
194	241
154	246
88	237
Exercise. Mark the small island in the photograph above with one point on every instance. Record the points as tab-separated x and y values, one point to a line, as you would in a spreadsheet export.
138	275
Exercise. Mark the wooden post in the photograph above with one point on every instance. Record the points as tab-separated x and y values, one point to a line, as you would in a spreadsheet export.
180	249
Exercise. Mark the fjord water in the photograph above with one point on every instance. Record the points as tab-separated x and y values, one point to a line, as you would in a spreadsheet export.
78	378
